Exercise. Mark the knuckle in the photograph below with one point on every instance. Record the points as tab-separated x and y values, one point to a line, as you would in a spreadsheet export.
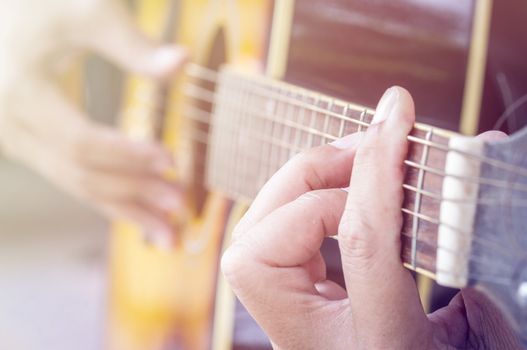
307	166
356	237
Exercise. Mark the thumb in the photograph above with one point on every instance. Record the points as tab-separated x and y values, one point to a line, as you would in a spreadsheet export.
383	297
110	31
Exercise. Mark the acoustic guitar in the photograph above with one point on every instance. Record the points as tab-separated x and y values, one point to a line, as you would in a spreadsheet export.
293	68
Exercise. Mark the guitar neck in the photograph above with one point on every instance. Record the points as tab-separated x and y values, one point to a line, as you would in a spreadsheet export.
259	123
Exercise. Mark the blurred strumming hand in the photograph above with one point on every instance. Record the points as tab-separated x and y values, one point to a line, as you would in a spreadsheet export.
40	128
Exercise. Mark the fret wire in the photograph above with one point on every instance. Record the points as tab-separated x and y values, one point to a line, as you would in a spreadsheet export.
298	132
463	234
223	135
236	157
259	166
253	167
286	134
270	108
266	149
489	244
275	151
341	125
239	160
464	254
243	141
234	99
361	119
326	122
323	140
417	203
215	137
233	153
310	135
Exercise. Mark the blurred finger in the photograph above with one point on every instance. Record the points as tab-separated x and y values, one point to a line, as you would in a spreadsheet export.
152	192
155	227
113	33
110	150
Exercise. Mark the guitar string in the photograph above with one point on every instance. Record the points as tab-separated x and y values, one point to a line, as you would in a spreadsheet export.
203	137
490	244
491	182
202	116
205	140
512	202
211	76
480	180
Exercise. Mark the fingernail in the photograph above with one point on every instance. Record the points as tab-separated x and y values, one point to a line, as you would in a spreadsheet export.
345	142
386	105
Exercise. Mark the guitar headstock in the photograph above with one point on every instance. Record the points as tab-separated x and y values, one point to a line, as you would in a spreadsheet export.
497	262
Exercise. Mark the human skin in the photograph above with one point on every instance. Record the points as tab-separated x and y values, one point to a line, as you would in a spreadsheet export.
275	267
42	129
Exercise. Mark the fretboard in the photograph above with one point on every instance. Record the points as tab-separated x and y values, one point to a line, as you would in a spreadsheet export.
258	124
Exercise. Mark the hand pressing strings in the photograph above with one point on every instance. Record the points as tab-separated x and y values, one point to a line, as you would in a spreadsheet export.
275	267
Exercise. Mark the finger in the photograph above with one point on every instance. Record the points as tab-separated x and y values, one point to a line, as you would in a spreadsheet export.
285	239
103	148
275	267
327	166
155	226
111	31
41	109
65	129
154	193
369	233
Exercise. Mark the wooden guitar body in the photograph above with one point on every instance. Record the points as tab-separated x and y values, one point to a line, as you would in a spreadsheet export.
163	299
